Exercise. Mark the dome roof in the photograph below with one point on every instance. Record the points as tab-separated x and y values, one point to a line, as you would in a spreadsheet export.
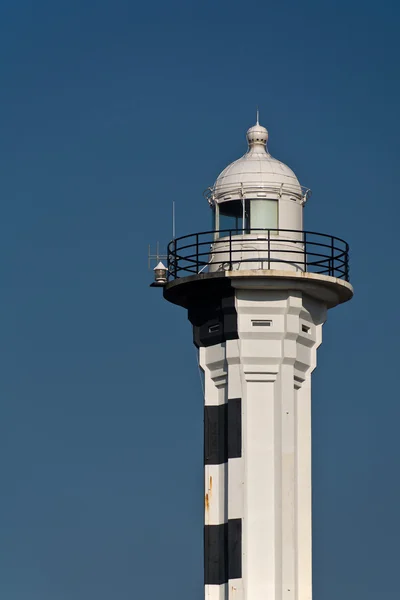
255	173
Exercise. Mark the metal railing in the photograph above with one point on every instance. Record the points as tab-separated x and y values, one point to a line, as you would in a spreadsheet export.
308	251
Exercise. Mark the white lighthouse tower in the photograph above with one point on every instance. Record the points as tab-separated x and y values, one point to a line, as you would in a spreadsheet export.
257	289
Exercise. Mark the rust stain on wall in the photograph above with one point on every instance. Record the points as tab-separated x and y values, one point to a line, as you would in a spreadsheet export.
208	495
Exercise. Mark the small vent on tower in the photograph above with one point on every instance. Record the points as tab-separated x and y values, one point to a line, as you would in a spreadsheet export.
261	323
213	328
305	329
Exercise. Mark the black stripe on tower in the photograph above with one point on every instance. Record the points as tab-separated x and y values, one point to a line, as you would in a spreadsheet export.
214	320
222	552
234	428
215	438
223	432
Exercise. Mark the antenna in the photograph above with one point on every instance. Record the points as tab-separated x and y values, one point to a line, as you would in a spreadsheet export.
258	115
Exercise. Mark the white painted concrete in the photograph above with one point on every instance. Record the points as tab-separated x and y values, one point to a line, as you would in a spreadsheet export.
215	592
253	251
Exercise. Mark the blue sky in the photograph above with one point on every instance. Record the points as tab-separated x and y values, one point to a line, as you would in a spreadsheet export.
109	111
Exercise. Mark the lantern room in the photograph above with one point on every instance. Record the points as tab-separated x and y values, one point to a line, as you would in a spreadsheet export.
257	192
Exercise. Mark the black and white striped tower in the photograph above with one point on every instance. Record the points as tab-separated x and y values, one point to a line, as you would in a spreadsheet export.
257	289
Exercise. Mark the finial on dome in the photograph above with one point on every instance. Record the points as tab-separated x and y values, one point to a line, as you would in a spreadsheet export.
257	136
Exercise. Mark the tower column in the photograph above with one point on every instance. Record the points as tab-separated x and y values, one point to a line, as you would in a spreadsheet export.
258	446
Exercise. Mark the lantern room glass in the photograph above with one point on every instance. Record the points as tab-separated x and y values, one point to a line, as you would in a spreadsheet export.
245	216
263	214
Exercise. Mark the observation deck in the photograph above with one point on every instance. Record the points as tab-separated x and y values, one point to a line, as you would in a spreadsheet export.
315	263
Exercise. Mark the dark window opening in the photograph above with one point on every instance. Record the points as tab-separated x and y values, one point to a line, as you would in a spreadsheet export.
246	216
231	215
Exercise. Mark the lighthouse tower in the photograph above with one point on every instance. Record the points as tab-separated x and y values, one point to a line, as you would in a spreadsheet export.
257	289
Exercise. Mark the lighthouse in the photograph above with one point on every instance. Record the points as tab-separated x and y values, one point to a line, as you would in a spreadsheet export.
257	288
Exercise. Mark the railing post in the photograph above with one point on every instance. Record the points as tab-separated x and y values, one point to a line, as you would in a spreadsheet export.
168	261
269	249
230	249
346	267
175	261
332	269
197	253
305	252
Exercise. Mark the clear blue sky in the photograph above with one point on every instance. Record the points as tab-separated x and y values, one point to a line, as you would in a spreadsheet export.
109	111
